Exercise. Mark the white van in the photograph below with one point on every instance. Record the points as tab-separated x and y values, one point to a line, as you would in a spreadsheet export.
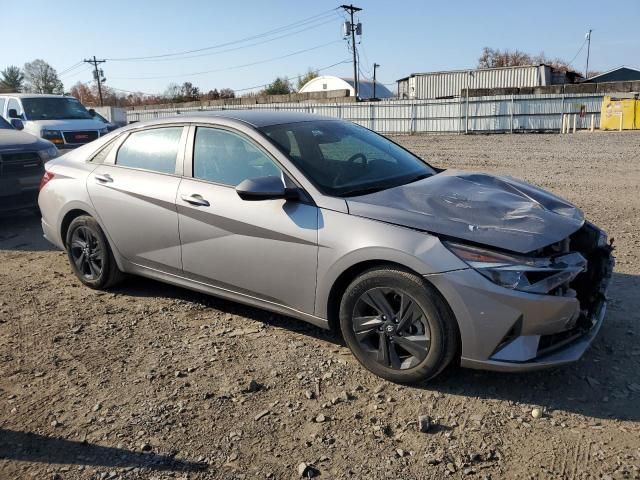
62	120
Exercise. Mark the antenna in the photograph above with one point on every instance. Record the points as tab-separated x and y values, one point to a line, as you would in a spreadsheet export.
588	37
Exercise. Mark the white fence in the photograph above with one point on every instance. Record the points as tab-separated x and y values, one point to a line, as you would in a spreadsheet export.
506	113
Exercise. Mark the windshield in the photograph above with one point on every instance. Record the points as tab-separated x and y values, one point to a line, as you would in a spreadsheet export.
4	124
54	108
344	159
97	116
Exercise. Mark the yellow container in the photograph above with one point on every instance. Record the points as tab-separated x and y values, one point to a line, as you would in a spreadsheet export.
620	114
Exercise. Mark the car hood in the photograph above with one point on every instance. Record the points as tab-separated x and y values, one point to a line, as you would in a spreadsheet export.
81	124
498	211
17	140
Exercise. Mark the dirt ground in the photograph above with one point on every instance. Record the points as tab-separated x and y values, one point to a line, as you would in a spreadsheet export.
152	381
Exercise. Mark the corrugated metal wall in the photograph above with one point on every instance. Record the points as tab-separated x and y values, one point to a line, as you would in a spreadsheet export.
504	113
450	84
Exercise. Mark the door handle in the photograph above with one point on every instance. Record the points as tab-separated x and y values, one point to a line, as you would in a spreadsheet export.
106	178
195	199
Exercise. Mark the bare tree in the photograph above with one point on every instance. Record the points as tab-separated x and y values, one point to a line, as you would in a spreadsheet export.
307	77
41	77
227	93
494	58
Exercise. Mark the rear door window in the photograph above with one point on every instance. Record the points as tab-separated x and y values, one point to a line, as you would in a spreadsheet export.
155	150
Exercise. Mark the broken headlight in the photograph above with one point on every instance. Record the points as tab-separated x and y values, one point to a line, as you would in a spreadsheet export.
527	274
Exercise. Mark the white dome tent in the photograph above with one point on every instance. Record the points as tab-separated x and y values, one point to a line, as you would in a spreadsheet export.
326	83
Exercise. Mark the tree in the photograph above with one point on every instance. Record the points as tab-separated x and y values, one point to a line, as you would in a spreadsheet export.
495	58
83	93
280	86
12	79
40	77
173	93
303	79
190	93
227	93
213	94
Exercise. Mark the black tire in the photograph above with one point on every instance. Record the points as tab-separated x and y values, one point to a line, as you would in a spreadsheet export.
436	329
94	265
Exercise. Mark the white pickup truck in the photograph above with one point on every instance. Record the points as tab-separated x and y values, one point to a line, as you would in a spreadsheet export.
62	120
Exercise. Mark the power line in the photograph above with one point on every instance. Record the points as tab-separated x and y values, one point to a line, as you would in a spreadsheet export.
580	50
233	67
293	76
296	24
68	69
303	30
76	72
321	69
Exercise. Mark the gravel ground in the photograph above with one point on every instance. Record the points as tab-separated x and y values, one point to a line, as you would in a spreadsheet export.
152	381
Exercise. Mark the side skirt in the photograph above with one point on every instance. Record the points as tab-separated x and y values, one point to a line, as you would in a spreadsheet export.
202	287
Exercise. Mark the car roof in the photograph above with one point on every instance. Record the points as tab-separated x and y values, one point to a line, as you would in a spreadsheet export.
256	118
33	95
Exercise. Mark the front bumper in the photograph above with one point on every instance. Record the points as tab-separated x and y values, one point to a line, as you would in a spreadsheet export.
509	330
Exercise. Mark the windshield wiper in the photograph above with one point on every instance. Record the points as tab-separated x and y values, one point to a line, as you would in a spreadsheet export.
422	176
363	191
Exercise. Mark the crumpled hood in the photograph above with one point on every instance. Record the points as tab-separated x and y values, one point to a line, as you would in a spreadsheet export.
498	211
16	140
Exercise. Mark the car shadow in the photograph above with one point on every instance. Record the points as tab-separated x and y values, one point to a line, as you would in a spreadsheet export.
21	230
32	447
598	386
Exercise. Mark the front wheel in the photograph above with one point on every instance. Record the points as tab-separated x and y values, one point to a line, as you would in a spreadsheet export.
397	325
89	254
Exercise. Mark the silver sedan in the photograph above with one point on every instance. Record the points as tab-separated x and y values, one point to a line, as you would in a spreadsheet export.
328	222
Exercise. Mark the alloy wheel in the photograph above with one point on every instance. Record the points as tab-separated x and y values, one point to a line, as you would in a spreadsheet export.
391	327
87	253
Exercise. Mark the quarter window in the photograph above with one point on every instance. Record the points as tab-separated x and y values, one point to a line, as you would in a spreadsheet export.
224	157
154	150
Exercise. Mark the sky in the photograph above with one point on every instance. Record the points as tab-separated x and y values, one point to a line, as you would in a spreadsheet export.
402	36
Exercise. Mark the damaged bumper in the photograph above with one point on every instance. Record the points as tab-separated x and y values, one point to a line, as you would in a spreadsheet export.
510	330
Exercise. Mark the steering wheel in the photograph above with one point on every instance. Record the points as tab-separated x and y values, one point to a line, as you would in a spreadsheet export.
347	166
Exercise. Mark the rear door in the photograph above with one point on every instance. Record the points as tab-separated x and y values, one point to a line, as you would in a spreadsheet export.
134	194
265	249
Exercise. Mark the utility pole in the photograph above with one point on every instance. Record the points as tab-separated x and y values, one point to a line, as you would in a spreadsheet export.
586	71
97	75
352	29
375	65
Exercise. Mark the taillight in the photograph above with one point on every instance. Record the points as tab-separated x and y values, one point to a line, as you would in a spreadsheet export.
46	178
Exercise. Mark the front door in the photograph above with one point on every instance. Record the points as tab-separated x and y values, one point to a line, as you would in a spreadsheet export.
135	198
265	249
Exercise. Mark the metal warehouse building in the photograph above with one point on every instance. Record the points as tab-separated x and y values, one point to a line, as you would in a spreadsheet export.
450	84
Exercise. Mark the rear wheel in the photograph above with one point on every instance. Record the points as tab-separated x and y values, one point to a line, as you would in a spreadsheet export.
397	325
89	254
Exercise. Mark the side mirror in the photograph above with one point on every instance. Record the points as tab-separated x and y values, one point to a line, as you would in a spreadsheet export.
13	113
262	188
92	112
17	124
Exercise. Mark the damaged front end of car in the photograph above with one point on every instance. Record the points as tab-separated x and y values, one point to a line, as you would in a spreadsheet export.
550	304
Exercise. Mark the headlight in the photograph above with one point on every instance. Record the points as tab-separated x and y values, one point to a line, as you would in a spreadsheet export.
54	136
533	275
103	131
49	153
